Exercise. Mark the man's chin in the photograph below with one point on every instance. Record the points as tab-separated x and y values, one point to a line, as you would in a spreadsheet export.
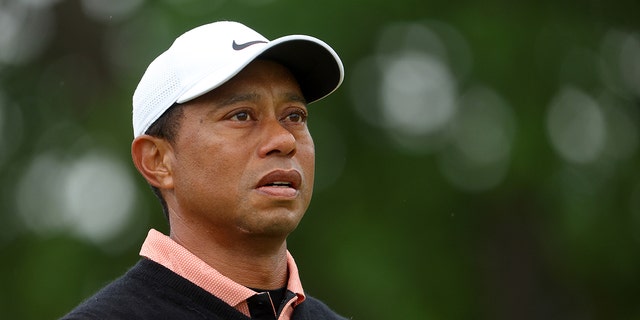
274	226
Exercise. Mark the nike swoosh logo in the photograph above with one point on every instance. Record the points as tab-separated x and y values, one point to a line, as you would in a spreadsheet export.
240	46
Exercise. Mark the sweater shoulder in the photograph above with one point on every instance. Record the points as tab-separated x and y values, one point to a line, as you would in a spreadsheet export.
150	291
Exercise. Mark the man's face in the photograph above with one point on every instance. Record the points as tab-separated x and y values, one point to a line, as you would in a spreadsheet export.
243	158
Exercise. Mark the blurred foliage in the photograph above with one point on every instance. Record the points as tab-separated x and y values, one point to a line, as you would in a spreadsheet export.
396	229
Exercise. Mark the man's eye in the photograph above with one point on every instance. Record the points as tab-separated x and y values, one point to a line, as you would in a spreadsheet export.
241	116
297	117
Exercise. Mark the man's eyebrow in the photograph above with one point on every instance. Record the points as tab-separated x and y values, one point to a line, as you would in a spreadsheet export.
290	97
295	97
239	98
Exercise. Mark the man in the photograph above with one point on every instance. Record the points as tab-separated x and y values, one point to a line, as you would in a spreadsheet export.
220	134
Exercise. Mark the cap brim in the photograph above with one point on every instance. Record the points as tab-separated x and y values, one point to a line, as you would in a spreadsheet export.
315	65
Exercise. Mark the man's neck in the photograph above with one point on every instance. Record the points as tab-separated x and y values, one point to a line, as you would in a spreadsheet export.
251	262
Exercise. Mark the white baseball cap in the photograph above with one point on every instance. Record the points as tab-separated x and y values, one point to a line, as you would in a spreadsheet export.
205	57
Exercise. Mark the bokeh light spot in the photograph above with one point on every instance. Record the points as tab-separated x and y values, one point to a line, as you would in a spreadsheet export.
482	135
91	197
99	196
630	63
484	128
418	94
38	197
576	126
408	87
26	28
620	68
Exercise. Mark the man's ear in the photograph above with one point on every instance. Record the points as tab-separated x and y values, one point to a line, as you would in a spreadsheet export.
152	157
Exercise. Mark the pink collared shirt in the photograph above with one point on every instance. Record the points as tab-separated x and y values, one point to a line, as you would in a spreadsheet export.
163	250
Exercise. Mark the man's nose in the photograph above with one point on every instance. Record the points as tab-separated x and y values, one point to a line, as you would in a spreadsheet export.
277	140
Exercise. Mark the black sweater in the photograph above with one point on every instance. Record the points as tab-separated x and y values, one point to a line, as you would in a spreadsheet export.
151	291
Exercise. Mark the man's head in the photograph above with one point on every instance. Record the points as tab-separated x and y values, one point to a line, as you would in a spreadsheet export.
230	149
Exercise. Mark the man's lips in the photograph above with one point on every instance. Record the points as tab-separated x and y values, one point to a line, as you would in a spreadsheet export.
280	183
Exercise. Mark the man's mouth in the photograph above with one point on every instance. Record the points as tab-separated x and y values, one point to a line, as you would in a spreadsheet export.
280	183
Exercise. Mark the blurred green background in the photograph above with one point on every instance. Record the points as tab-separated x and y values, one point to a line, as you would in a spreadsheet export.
480	160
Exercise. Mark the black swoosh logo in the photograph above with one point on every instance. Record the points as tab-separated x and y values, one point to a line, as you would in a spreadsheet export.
238	47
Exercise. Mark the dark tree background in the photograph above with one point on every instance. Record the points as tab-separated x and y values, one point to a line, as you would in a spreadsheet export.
480	160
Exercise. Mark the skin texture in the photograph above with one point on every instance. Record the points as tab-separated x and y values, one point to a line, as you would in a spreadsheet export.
217	175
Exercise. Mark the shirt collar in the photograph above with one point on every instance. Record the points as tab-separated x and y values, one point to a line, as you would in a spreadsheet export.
168	253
